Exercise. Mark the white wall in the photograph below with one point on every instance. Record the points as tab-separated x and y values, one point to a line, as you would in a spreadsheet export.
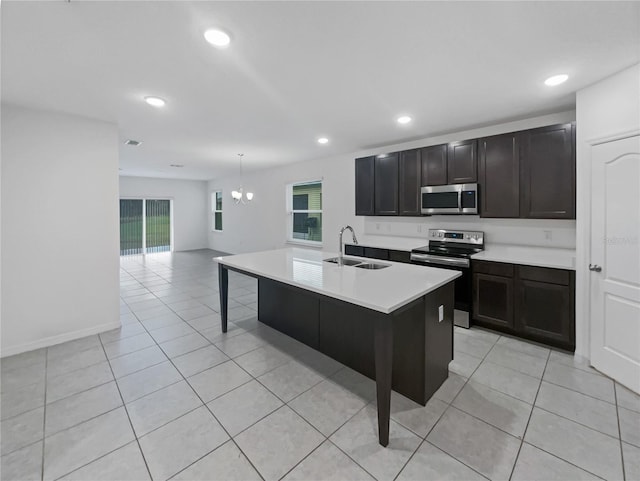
607	108
189	206
60	267
262	224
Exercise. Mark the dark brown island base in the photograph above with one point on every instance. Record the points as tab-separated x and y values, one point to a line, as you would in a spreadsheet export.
393	324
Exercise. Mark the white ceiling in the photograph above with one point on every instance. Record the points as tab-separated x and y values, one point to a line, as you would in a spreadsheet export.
296	71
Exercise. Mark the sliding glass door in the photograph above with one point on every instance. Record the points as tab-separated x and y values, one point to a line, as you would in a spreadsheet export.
145	226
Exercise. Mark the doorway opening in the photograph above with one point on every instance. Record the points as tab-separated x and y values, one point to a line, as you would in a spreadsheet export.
145	226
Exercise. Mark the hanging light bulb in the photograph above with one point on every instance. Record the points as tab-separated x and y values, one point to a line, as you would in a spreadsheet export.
238	195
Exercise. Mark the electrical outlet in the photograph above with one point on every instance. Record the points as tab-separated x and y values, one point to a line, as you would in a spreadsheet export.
419	229
547	235
377	226
388	227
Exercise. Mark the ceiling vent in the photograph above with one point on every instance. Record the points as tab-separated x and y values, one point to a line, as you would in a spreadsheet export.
133	143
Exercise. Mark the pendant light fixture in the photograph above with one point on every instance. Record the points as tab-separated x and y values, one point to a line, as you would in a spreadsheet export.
239	195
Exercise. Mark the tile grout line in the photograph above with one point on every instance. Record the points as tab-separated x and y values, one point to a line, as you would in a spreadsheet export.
564	460
124	405
450	405
208	409
615	396
515	462
579	392
327	438
44	412
538	407
284	404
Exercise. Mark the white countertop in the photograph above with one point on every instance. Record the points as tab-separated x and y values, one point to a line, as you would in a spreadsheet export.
388	242
529	255
383	290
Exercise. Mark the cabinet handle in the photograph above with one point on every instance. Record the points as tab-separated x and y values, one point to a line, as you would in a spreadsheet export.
595	268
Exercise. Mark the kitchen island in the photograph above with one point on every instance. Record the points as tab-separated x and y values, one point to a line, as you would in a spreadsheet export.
393	324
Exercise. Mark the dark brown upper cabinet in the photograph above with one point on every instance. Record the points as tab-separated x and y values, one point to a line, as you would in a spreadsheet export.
386	184
462	162
365	185
434	165
410	177
499	175
529	174
548	173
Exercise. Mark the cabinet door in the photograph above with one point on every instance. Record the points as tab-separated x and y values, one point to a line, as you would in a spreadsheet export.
493	300
462	162
434	165
544	311
548	173
386	184
410	182
365	185
499	175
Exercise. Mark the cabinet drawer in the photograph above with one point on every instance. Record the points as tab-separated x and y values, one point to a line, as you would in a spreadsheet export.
544	274
493	268
375	253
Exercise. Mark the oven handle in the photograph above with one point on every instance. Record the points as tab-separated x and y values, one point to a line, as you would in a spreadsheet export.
445	261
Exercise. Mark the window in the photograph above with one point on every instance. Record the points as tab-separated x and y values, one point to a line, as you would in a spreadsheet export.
305	212
216	209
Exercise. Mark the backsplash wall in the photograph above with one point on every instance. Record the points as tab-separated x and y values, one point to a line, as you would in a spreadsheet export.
526	232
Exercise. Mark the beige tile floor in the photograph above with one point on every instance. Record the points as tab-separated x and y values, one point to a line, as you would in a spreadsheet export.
167	396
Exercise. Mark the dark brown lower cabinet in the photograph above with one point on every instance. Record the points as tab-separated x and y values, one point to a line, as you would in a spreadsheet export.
422	345
493	300
544	306
535	303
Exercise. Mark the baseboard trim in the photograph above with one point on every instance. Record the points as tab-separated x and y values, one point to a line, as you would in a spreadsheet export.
60	338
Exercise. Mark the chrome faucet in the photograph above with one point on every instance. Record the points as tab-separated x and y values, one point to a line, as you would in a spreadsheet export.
353	234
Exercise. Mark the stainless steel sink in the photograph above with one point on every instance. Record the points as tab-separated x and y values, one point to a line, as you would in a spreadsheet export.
356	263
345	261
369	265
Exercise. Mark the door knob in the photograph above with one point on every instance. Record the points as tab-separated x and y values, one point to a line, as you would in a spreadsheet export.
595	268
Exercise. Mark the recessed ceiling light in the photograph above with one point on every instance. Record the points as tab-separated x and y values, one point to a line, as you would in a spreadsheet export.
217	38
556	80
155	101
405	119
177	166
323	140
133	143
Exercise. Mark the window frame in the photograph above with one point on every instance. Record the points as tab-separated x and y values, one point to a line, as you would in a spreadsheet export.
215	211
291	211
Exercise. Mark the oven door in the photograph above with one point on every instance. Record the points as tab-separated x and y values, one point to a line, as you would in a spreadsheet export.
462	285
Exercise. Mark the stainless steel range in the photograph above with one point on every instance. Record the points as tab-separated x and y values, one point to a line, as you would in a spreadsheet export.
449	249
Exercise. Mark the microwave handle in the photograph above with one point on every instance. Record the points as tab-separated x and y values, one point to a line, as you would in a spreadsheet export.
460	200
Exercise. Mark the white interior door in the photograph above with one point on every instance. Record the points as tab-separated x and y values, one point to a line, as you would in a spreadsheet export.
615	233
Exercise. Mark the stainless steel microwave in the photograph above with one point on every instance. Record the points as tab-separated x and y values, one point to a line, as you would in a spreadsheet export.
449	199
